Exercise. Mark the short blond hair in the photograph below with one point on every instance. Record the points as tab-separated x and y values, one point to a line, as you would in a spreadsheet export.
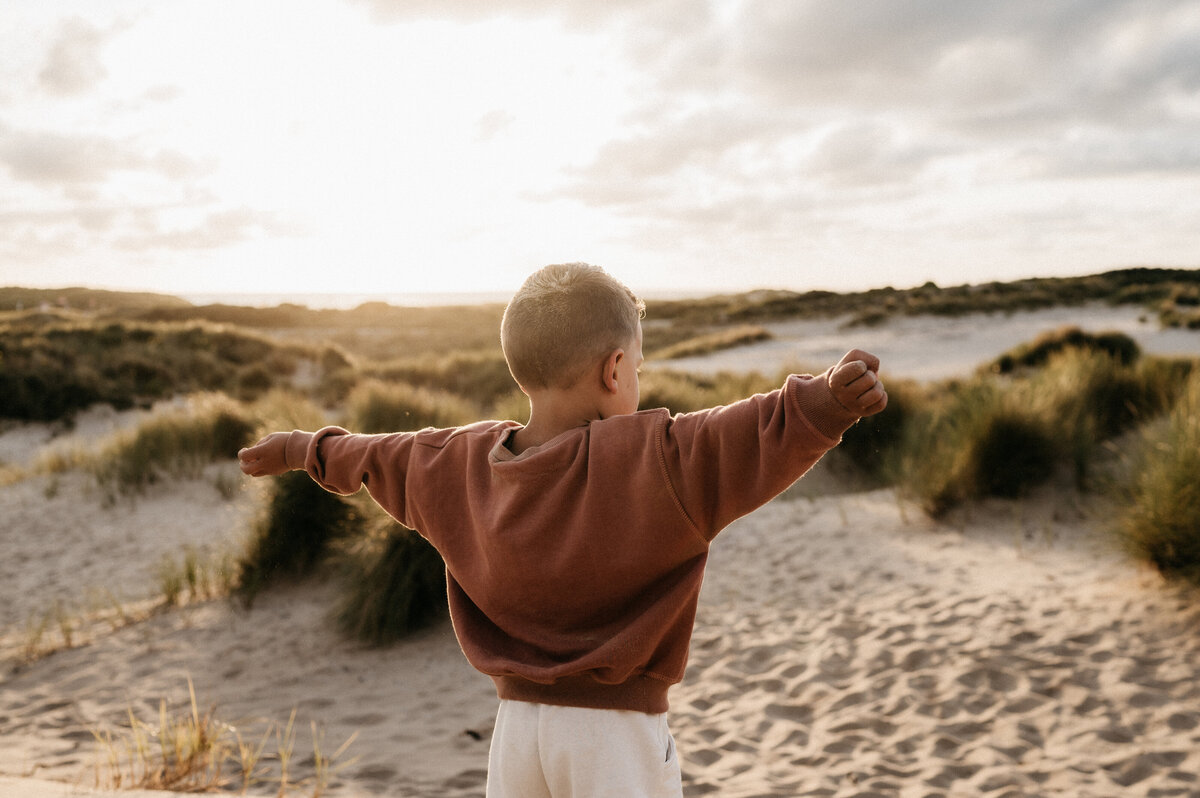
565	317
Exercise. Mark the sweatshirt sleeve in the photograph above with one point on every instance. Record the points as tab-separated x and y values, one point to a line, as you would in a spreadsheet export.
342	462
727	461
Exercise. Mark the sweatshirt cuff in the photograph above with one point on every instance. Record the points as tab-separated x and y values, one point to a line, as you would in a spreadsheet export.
296	451
816	402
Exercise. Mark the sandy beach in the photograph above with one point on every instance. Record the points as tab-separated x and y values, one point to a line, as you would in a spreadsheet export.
846	645
935	347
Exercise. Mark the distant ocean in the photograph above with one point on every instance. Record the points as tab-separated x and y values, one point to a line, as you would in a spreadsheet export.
347	301
415	299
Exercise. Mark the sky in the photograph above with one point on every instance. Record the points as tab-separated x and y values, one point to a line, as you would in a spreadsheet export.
392	146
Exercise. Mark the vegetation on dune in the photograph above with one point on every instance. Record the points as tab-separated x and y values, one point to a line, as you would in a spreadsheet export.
395	584
295	536
1002	435
187	750
50	369
974	441
1162	521
709	342
683	392
1035	353
481	377
374	331
872	444
1166	292
395	407
94	300
175	444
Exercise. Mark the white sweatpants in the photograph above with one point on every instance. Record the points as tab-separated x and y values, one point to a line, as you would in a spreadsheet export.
542	751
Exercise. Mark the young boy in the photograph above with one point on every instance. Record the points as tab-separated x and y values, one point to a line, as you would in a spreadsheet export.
575	544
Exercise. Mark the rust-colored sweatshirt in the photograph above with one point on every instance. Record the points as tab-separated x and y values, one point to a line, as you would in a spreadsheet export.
574	568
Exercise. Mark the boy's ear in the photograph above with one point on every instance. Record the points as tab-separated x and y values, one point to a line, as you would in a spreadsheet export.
608	372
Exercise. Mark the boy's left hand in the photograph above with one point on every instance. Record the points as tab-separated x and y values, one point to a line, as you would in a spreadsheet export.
855	383
268	457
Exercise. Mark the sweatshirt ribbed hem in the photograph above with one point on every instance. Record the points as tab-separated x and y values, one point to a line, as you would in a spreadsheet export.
637	694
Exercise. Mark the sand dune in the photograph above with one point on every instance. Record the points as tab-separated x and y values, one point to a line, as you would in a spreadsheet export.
845	646
935	347
877	656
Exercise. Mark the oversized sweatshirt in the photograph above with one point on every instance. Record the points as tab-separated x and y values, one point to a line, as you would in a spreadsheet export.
573	570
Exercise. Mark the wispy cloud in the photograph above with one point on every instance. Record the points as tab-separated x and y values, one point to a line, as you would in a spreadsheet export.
73	63
46	157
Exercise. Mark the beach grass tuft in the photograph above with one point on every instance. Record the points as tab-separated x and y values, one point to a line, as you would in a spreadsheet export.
1001	436
192	751
294	535
481	377
1037	352
376	406
394	584
171	444
1162	521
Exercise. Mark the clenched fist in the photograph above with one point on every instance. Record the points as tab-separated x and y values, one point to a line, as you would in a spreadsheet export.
855	383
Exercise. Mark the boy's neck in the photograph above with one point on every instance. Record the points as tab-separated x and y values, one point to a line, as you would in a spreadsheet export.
552	412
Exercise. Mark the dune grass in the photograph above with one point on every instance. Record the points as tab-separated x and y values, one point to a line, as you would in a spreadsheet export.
973	442
54	368
1001	436
394	584
715	341
376	406
175	444
65	625
683	392
1162	521
196	575
191	751
295	534
1149	287
872	445
480	377
1035	353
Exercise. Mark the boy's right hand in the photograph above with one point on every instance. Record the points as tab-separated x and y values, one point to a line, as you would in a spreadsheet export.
855	383
267	458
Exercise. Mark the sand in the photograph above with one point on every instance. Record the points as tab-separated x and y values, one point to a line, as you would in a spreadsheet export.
935	347
845	646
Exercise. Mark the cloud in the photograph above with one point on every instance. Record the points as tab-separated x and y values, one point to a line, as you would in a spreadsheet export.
48	158
1076	60
876	95
70	194
73	63
92	226
577	12
492	124
215	229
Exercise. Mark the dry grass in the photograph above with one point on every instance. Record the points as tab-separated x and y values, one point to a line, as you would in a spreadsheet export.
1000	436
1162	521
64	626
376	406
715	341
394	584
193	751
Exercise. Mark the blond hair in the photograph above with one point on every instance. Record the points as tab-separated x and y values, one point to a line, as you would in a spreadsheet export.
563	318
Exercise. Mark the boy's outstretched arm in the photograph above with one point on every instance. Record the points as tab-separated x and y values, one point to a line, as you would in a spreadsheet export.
855	384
